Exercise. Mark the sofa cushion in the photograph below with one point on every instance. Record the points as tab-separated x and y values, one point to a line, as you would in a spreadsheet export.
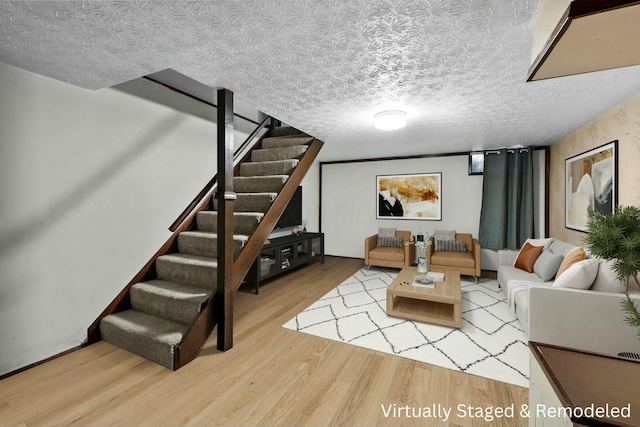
528	256
453	259
606	280
547	265
387	254
507	273
451	245
444	234
580	275
389	241
570	259
386	232
562	248
506	257
546	242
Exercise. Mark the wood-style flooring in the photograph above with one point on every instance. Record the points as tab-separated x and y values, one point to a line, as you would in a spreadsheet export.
271	377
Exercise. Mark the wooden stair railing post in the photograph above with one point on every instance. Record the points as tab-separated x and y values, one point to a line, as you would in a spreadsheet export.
183	223
226	196
204	325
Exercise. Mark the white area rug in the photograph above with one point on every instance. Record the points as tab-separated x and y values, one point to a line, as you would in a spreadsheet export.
491	342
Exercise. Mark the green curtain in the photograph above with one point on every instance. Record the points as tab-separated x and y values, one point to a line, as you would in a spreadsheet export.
506	219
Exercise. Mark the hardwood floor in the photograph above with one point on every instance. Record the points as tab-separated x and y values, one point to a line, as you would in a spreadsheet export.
272	376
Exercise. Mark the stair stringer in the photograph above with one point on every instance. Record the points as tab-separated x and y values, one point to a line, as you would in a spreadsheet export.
255	243
198	334
122	301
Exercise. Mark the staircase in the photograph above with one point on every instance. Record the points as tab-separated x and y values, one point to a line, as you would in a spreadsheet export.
161	311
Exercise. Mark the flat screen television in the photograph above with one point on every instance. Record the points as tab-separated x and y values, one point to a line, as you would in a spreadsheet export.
292	215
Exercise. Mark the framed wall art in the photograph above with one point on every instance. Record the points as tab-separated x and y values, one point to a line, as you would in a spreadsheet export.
591	183
409	196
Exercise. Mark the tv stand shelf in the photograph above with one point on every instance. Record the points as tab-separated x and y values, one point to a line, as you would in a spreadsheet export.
285	253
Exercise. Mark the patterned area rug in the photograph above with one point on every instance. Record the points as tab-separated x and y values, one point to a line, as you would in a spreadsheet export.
491	343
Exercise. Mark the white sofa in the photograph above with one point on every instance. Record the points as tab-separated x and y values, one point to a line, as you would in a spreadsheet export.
587	319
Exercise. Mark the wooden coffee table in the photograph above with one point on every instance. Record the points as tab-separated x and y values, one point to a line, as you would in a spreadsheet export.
440	305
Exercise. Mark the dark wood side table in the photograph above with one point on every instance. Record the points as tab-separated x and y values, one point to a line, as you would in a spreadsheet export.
597	390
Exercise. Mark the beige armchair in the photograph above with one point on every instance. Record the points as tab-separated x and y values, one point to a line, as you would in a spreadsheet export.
467	263
389	257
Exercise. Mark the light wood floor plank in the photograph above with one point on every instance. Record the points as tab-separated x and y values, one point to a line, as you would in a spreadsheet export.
272	376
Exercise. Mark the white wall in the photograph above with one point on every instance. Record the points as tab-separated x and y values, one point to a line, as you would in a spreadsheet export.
89	184
311	198
349	196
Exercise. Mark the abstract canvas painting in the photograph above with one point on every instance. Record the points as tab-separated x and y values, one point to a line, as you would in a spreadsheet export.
410	196
591	184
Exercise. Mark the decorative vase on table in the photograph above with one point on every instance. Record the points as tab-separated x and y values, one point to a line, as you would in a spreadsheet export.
420	251
423	267
420	247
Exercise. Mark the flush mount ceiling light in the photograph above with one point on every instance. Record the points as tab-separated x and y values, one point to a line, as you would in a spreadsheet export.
391	120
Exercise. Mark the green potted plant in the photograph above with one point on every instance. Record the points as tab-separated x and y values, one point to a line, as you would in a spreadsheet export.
617	237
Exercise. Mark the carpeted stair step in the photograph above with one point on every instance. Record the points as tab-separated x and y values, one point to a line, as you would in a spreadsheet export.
259	184
278	167
168	300
205	243
191	270
280	153
243	222
164	309
143	334
285	131
251	202
269	143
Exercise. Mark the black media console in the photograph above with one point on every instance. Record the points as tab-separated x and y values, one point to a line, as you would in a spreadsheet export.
284	253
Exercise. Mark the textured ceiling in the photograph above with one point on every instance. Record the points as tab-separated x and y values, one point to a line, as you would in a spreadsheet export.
457	67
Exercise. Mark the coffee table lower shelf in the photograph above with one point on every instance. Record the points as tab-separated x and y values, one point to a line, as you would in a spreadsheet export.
437	313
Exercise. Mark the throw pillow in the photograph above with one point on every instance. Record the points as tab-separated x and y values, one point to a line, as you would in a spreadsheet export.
528	256
547	265
390	242
451	245
444	234
545	243
571	258
386	232
580	275
606	280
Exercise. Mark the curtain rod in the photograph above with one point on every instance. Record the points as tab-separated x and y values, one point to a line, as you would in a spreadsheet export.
510	150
